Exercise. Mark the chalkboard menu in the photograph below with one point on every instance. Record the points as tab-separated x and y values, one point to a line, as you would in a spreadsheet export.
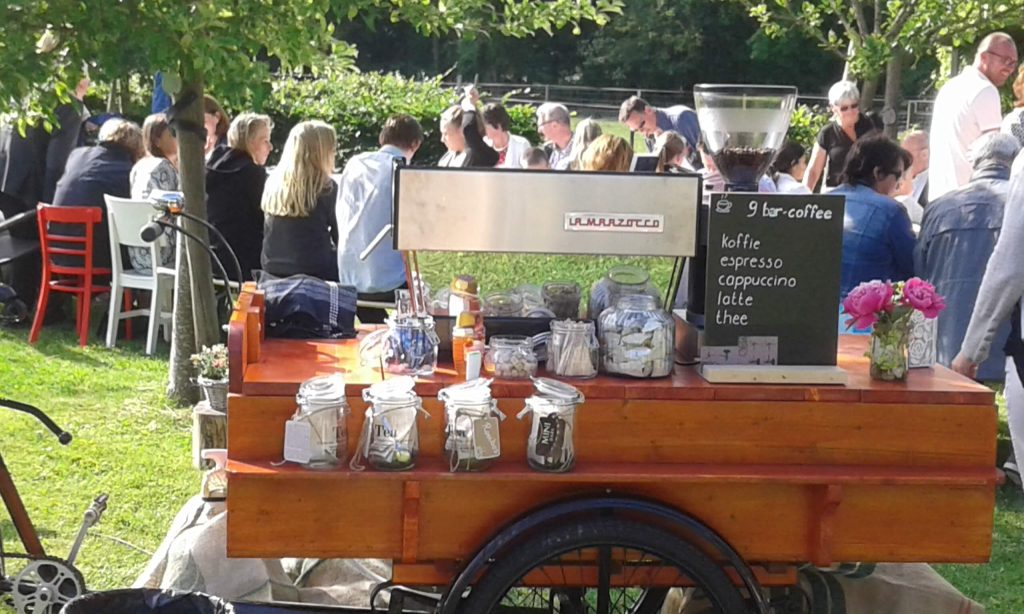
773	279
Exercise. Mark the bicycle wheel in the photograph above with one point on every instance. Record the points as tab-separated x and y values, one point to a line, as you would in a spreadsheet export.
599	566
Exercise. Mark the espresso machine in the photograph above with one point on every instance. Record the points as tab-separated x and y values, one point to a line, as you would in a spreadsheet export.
742	128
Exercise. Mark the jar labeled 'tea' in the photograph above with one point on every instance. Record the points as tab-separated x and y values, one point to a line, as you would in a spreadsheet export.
572	349
619	280
553	407
471	432
636	337
511	357
390	438
322	406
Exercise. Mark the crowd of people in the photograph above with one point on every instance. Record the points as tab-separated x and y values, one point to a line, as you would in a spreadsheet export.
934	204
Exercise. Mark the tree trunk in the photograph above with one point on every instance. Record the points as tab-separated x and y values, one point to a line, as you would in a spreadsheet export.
893	85
867	93
183	344
195	287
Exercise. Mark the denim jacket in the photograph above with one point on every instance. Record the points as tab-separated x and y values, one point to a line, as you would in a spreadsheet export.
958	234
878	241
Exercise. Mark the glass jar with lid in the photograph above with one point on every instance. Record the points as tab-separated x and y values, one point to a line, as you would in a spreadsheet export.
572	349
408	346
553	408
624	279
636	337
503	304
321	405
390	438
511	357
562	298
471	431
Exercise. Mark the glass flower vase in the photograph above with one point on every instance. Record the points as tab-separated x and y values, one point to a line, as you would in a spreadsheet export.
888	353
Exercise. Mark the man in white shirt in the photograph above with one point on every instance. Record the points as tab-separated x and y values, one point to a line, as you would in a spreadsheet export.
966	108
510	147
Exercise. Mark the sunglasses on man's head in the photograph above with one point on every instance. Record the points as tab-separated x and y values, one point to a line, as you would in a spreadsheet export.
846	107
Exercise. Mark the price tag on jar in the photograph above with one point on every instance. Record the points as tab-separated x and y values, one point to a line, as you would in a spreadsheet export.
486	440
298	439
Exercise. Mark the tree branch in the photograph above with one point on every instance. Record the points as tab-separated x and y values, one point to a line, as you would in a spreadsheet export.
900	20
862	21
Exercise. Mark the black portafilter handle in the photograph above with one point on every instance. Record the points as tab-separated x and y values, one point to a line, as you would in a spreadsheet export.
151	231
63	436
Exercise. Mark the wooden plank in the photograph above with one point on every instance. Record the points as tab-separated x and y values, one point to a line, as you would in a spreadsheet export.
355	519
694	432
410	522
825	499
769	374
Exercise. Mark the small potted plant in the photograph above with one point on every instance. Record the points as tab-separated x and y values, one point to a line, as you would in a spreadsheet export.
887	307
212	370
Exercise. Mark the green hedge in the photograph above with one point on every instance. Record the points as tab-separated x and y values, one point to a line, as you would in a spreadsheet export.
805	124
357	104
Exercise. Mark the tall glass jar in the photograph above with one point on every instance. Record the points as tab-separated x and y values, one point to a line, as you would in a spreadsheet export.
411	346
562	298
321	404
572	349
504	304
511	357
471	432
624	279
553	408
636	337
390	438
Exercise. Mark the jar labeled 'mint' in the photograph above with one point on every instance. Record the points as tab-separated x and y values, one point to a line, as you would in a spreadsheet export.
619	280
636	337
321	404
390	438
553	407
511	357
471	432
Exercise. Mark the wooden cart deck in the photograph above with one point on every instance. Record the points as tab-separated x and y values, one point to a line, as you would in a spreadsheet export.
869	471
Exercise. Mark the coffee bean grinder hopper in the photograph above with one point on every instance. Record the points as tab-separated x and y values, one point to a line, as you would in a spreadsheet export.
742	128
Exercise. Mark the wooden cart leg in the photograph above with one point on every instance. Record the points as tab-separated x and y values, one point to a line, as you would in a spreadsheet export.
411	522
825	500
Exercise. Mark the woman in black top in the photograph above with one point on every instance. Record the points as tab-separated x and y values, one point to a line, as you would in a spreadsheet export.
837	137
300	236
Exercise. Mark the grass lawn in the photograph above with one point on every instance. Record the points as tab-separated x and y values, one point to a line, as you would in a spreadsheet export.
132	445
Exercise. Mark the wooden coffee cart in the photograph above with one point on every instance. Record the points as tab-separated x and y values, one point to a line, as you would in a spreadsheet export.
738	482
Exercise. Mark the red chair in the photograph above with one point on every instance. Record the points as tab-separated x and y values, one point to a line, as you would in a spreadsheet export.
77	280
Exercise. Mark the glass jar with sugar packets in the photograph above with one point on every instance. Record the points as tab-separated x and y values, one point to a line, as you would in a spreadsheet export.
504	304
317	435
572	349
550	444
390	439
471	431
562	298
619	280
511	357
636	337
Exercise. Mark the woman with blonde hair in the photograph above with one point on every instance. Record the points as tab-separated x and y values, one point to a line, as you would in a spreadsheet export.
607	153
300	235
584	134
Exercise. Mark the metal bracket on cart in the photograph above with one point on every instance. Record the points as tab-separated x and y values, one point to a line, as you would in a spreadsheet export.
559	513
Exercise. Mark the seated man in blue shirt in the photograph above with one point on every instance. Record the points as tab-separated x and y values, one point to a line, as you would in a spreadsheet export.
649	121
364	208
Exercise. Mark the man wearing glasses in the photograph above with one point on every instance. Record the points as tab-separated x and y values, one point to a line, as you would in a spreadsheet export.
649	122
966	108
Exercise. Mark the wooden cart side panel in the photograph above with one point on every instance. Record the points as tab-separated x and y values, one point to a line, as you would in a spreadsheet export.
314	518
765	522
692	432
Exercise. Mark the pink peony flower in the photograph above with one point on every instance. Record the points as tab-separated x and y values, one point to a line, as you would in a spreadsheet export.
865	302
921	296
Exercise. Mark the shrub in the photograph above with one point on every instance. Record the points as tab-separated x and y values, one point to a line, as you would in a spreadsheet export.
357	104
805	124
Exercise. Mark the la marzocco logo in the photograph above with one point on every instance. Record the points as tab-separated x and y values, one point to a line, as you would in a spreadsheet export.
614	222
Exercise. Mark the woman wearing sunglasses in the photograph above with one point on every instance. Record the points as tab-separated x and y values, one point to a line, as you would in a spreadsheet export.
878	241
837	137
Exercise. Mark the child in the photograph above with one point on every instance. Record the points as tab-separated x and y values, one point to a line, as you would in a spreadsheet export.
536	158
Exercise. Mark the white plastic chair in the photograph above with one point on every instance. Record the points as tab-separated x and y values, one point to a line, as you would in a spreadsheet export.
126	218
